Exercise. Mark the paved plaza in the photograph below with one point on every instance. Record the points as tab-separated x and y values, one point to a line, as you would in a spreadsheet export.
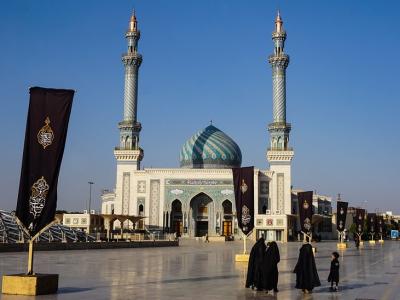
197	270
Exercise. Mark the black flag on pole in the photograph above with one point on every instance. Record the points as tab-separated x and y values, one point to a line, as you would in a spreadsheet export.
341	215
46	132
243	181
371	223
359	220
305	210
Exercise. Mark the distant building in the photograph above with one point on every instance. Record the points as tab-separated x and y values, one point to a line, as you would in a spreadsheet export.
390	218
89	223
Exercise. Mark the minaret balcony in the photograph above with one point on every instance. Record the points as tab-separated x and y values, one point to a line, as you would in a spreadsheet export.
130	125
128	155
132	58
281	59
279	35
279	126
131	55
134	34
280	149
280	156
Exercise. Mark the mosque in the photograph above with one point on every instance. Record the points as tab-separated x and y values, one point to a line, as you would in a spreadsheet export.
198	197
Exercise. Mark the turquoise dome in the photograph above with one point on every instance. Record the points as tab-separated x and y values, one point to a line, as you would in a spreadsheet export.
210	148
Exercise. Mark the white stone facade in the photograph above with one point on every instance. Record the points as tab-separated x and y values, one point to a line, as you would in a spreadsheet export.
157	189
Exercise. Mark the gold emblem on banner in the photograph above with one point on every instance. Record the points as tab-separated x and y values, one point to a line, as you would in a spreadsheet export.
306	205
45	135
307	224
341	224
37	200
243	187
246	217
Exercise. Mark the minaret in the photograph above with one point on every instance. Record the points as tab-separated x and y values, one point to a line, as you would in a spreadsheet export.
279	154
129	150
279	61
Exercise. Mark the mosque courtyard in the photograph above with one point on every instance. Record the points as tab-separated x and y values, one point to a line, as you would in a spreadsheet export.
197	270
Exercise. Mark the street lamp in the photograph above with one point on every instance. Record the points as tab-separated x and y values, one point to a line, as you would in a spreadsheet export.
90	194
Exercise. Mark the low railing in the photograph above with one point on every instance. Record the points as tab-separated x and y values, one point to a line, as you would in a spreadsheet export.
125	148
281	56
138	237
131	55
280	149
279	125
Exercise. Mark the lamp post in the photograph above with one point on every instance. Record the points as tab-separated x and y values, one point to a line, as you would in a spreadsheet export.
90	195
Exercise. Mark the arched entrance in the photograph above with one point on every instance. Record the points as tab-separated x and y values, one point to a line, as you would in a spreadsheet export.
202	210
176	217
227	218
141	213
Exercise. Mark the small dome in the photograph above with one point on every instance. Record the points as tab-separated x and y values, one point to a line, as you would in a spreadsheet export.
210	148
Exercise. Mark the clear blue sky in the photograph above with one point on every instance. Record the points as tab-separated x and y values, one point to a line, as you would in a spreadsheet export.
206	60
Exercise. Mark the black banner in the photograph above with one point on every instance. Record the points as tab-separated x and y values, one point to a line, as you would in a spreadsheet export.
371	223
243	181
305	210
341	215
46	132
359	220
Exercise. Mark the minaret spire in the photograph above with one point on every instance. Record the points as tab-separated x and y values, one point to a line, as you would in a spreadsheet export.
132	61
133	23
130	127
279	61
278	22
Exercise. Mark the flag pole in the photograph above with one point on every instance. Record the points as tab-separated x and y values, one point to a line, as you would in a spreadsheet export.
30	251
30	258
244	244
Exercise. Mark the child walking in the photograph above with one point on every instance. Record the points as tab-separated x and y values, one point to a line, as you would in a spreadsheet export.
334	273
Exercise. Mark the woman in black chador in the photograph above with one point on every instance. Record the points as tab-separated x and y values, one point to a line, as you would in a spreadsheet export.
255	268
334	273
271	261
306	271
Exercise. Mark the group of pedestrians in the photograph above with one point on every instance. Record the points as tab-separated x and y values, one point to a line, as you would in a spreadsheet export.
262	272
